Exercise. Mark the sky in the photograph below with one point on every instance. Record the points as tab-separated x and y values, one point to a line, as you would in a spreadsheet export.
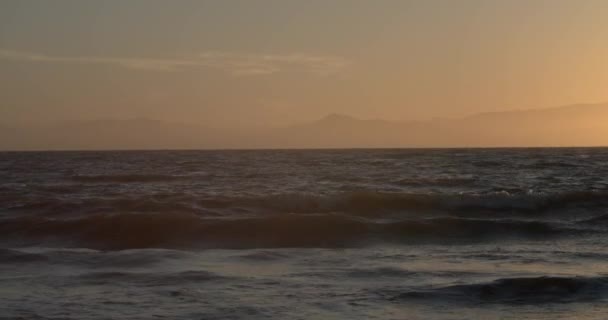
236	63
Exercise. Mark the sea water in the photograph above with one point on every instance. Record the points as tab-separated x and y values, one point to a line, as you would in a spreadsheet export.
305	234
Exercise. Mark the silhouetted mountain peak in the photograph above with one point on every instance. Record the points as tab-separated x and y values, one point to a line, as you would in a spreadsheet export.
576	125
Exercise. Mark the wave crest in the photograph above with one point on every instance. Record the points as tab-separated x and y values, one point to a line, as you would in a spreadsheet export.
125	231
363	202
357	203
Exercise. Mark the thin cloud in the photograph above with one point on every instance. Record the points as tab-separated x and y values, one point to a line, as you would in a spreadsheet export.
233	63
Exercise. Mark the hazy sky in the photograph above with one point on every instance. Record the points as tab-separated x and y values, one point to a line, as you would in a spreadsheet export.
227	62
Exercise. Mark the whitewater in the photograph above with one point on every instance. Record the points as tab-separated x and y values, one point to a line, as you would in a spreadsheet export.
305	234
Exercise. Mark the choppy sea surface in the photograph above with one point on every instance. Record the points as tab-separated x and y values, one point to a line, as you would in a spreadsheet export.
307	234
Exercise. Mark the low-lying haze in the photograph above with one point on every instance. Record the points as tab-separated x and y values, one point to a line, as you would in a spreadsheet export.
576	125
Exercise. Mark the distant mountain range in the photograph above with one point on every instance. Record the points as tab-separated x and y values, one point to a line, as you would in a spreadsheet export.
575	125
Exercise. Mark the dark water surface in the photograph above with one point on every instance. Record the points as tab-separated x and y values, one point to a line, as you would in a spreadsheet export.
311	234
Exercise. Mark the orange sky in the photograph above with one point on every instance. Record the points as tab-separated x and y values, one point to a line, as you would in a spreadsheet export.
237	63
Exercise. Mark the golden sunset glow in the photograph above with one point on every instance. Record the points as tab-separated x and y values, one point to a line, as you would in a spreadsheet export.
270	63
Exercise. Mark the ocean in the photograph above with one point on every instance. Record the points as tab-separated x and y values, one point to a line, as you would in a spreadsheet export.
305	234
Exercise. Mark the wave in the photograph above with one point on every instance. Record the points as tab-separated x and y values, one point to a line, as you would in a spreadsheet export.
8	256
127	231
126	178
157	203
552	164
519	290
437	182
263	256
598	221
379	273
375	202
150	279
373	274
91	259
363	203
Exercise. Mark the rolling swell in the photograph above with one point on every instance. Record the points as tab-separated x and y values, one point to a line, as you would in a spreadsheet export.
359	203
377	201
519	290
126	231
